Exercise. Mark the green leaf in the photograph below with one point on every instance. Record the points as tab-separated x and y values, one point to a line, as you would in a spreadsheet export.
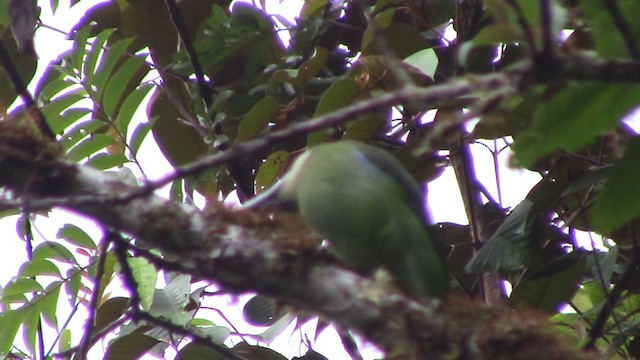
200	322
49	303
52	74
53	110
67	118
5	17
258	118
72	285
402	40
591	177
609	42
108	62
379	72
116	85
79	132
109	269
38	267
271	169
79	48
139	134
365	127
217	334
195	351
605	266
76	236
574	118
581	301
179	143
256	352
509	248
299	77
10	321
176	193
25	66
170	301
552	286
338	95
342	93
21	286
110	311
261	310
107	161
90	146
277	328
54	251
619	200
426	60
131	346
53	88
146	276
64	343
97	46
130	105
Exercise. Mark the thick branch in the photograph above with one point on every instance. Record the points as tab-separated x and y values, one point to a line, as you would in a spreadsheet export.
589	68
245	252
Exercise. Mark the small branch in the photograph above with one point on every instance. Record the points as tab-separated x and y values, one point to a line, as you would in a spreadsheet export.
464	167
196	338
185	39
496	169
524	25
611	301
548	43
59	331
92	308
589	68
621	23
350	345
28	239
129	280
243	188
70	353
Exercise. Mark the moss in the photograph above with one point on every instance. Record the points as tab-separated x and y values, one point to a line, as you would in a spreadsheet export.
499	332
287	231
29	162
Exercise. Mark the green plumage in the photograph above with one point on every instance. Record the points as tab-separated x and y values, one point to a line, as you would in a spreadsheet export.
370	208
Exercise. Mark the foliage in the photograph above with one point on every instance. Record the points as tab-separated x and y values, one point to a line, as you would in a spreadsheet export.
556	81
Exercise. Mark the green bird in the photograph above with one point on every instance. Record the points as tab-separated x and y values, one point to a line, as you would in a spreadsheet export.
369	208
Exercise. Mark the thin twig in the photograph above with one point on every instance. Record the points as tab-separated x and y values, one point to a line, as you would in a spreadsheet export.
623	27
524	25
20	89
69	353
128	278
548	44
59	332
196	338
185	39
28	238
92	308
612	300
